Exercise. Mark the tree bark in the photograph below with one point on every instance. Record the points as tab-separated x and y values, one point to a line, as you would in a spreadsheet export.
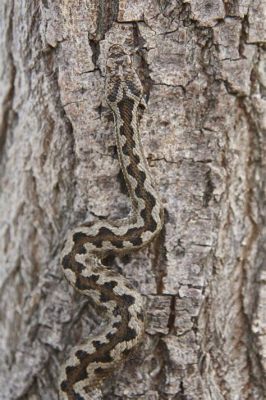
201	65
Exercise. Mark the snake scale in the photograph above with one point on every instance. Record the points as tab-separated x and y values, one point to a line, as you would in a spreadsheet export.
93	360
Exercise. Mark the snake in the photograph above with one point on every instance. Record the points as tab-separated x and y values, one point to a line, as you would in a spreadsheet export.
85	247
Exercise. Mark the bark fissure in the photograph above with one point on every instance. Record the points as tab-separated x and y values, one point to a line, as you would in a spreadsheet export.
8	114
202	125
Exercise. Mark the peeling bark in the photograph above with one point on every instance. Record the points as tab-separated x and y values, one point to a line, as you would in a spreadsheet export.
202	64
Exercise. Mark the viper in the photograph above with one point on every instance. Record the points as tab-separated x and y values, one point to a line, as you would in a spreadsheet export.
93	360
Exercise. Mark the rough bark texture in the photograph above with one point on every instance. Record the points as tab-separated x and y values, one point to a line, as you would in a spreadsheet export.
201	64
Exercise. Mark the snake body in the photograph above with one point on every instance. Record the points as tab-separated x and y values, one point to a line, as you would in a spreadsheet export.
90	362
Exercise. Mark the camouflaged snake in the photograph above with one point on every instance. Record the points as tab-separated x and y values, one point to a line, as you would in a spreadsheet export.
90	362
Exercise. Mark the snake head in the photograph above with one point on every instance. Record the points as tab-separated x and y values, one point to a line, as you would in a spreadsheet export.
121	78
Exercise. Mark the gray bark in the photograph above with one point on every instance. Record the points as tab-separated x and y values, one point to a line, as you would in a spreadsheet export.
202	64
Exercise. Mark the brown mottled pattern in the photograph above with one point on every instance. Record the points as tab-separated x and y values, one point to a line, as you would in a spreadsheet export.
92	361
102	353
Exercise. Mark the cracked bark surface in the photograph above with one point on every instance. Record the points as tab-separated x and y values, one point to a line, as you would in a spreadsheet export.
202	65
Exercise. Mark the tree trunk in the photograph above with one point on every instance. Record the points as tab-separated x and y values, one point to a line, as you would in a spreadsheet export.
201	65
